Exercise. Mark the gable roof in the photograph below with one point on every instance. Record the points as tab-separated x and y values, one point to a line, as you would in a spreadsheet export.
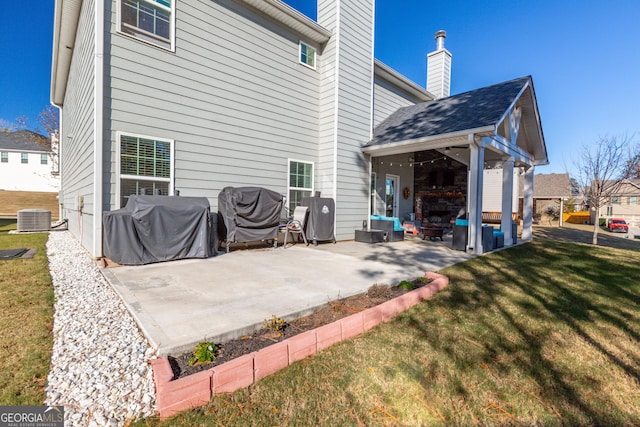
451	121
549	186
24	140
477	109
629	186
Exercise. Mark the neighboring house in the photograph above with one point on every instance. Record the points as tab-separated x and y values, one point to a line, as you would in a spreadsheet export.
193	96
624	203
27	162
549	190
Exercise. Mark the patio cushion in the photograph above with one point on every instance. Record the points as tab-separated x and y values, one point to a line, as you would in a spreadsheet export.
397	226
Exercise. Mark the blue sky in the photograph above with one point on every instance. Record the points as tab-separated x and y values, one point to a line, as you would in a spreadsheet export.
583	55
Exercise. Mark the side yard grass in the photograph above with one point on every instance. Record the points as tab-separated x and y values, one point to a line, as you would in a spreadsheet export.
547	333
26	320
13	201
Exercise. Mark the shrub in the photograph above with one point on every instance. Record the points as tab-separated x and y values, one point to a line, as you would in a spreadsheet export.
205	352
406	285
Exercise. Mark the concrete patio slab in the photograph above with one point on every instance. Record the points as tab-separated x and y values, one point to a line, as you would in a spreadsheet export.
180	303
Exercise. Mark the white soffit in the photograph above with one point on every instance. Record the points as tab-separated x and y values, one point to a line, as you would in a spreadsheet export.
67	13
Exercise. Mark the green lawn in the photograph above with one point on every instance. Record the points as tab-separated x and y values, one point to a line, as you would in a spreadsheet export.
26	319
546	333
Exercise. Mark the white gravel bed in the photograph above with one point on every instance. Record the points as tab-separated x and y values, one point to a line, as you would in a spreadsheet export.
100	367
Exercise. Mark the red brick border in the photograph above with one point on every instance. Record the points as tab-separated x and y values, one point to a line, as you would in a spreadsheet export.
174	396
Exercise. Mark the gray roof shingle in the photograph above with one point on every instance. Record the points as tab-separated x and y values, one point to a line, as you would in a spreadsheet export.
549	186
24	140
469	110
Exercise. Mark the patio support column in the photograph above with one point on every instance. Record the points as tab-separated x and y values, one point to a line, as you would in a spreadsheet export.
507	201
476	174
527	205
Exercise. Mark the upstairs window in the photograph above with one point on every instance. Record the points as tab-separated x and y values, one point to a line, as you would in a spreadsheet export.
146	166
44	159
4	157
149	20
24	158
300	182
307	55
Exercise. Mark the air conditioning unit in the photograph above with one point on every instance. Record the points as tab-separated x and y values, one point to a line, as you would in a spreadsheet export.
34	220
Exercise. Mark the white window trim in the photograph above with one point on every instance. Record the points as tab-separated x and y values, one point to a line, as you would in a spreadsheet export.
119	176
315	55
172	24
313	180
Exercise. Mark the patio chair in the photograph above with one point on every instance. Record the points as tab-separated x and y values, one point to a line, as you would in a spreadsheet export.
297	225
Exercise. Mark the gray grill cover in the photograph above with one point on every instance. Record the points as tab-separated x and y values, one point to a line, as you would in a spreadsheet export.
248	214
157	228
321	220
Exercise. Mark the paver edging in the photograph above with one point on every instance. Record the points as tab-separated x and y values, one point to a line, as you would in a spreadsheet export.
173	396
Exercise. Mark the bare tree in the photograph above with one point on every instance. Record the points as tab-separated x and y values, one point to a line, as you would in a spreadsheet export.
7	126
602	169
45	133
635	165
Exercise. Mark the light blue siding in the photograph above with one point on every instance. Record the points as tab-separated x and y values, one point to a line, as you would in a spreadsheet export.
387	100
233	97
77	138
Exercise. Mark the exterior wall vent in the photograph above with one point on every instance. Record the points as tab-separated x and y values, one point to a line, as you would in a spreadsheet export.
34	220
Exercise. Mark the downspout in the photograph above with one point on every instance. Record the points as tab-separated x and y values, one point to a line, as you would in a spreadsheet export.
336	117
98	128
56	37
369	157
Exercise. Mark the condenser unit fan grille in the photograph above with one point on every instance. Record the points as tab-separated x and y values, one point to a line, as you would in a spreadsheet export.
34	220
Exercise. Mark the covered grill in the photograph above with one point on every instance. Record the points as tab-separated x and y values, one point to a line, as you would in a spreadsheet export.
248	214
157	228
321	221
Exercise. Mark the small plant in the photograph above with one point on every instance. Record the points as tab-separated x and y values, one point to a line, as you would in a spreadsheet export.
406	285
274	324
204	352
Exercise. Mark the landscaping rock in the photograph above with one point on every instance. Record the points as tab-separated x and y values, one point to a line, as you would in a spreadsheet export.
100	363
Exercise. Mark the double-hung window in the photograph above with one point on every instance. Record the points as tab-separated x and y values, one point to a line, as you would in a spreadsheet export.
307	55
24	158
150	20
44	159
300	182
4	157
145	166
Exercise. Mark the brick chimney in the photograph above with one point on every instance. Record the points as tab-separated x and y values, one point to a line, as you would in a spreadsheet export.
439	68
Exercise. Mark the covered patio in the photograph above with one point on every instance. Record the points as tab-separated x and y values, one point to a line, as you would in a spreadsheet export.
443	149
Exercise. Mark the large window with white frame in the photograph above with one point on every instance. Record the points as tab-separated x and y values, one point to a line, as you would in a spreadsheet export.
300	182
307	55
145	166
150	20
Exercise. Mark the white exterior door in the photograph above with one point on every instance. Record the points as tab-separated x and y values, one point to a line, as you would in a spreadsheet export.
392	195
